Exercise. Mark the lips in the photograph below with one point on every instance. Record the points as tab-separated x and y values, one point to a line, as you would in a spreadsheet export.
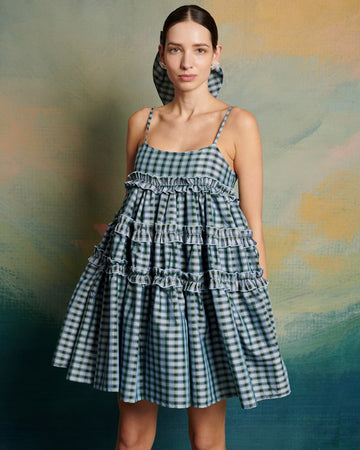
187	77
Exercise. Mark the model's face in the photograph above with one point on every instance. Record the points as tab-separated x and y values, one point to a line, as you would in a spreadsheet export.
188	51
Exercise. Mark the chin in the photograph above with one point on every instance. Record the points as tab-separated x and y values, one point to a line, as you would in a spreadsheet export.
190	85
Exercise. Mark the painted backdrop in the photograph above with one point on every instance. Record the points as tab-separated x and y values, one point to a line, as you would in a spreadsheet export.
71	73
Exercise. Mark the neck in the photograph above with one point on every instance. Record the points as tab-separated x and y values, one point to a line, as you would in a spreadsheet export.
188	103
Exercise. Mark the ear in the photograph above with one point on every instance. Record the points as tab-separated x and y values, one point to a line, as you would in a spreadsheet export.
217	53
161	52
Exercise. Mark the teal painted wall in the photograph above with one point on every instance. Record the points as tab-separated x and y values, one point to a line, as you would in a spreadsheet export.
71	73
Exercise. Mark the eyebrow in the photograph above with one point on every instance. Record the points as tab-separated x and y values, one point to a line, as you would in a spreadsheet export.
194	45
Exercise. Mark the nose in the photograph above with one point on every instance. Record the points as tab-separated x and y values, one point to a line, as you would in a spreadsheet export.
186	60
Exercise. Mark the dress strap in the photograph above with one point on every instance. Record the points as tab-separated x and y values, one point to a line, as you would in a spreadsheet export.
148	122
222	125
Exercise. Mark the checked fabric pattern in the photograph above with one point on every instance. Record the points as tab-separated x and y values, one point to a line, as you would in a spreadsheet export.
172	306
165	87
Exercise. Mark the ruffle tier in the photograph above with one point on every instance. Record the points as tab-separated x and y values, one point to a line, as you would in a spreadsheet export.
164	233
169	185
172	307
168	278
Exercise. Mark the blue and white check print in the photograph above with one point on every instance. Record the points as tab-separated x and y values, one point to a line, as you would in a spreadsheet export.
172	306
165	87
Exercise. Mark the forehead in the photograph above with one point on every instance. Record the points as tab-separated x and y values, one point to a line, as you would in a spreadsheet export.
188	31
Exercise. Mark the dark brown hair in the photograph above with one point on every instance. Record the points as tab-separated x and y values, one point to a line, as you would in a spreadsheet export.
194	13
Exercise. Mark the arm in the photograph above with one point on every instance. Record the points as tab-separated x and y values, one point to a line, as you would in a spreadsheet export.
249	168
135	136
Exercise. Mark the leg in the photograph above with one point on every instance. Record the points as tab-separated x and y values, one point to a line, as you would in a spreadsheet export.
137	425
207	426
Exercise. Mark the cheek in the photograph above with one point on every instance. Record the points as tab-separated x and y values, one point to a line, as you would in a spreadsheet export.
172	73
205	62
172	63
172	66
204	66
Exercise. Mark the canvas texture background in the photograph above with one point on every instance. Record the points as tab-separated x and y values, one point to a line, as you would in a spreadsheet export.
71	73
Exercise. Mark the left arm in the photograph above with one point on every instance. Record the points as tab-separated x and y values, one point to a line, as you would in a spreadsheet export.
249	168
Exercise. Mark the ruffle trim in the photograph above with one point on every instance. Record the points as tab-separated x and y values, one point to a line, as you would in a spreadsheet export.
166	278
170	185
187	234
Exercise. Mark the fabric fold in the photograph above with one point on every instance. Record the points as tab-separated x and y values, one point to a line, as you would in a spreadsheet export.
189	234
172	305
170	185
167	278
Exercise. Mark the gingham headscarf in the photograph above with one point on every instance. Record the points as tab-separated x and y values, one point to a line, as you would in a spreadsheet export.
165	87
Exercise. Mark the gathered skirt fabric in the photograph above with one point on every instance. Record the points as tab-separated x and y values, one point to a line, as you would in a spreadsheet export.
172	306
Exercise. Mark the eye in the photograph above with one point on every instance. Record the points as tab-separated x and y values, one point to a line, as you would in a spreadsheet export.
174	49
201	50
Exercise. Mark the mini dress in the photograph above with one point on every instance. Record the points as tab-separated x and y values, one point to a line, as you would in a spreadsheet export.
172	306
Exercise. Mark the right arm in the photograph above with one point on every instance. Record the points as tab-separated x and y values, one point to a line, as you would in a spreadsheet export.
135	136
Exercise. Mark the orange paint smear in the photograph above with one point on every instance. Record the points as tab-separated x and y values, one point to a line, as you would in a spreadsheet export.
331	264
334	206
42	139
279	242
325	28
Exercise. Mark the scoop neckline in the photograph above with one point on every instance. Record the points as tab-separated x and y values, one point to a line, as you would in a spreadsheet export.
213	145
186	151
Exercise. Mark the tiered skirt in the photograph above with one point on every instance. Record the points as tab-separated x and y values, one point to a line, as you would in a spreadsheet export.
172	306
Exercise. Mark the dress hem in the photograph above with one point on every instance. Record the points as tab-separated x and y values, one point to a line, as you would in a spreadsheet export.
274	395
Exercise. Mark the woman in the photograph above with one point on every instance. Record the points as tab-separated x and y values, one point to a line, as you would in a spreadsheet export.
173	308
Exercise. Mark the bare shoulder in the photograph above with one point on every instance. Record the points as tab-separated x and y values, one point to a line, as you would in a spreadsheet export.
245	130
136	131
137	128
243	120
138	118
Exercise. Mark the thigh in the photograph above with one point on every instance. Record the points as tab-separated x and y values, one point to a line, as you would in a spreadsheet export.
209	420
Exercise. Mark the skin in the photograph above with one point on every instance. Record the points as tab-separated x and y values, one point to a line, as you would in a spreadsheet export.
190	121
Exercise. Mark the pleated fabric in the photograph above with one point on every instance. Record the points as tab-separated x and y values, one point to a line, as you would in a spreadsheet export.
172	306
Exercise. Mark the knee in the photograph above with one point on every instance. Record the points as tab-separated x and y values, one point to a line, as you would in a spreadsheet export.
137	425
132	436
130	439
208	441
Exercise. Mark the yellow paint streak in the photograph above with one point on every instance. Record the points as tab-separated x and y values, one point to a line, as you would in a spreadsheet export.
325	28
330	264
332	285
334	206
279	242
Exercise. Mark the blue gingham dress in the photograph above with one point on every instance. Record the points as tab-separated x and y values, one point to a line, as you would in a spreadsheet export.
172	306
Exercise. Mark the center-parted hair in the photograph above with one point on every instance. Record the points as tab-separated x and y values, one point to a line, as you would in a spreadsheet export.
194	13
